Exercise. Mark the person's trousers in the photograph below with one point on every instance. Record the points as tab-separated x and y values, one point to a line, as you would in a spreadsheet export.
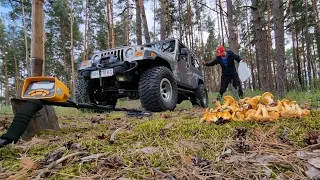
234	79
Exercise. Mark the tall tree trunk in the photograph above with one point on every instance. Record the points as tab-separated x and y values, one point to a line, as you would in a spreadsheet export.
108	23
72	57
112	24
154	20
6	78
145	23
180	18
250	55
232	36
128	23
271	64
301	80
37	35
219	32
64	54
297	73
163	20
304	59
25	38
280	51
261	48
44	54
308	42
86	32
138	23
17	76
221	26
317	27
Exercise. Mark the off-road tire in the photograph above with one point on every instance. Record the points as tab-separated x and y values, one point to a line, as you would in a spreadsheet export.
151	97
200	97
81	91
82	95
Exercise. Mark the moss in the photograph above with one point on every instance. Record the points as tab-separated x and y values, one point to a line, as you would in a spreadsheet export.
9	159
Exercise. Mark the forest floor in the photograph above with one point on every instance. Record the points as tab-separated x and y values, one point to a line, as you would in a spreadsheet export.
166	145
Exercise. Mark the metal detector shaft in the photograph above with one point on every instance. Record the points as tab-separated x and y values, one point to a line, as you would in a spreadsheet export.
72	104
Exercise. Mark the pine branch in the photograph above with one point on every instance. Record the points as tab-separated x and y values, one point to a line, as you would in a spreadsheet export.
209	7
123	11
17	1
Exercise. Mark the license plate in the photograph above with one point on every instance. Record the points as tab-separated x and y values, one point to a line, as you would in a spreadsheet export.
104	73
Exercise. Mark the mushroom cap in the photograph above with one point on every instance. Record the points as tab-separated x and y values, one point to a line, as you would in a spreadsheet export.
254	101
226	115
238	116
267	98
250	112
229	100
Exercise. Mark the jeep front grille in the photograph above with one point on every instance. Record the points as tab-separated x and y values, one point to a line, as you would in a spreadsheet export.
118	53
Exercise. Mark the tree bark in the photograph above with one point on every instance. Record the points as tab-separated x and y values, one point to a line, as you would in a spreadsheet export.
37	41
17	75
280	51
25	39
108	23
128	24
301	80
297	73
261	48
6	78
73	84
317	27
308	42
180	18
86	31
112	24
221	26
232	35
138	23
144	21
163	28
270	60
154	20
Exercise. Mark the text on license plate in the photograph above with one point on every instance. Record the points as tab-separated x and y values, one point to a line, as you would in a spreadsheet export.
104	73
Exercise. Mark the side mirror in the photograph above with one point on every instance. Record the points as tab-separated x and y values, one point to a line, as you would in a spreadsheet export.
184	52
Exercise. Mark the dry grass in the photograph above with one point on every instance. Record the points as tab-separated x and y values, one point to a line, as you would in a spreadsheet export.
173	145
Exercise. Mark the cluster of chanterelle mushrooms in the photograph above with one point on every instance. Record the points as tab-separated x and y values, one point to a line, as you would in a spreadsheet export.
258	108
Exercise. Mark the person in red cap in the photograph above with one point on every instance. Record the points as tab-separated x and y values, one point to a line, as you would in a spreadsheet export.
229	73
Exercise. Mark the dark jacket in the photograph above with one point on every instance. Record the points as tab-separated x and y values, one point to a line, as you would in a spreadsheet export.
231	68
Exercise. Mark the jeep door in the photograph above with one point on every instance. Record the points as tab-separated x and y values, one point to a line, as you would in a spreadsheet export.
183	68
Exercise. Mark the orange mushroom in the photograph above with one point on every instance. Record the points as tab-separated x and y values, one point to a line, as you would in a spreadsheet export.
277	108
254	102
267	98
226	115
274	115
238	116
229	101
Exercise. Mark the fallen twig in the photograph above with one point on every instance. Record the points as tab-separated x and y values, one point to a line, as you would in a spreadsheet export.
53	164
112	137
169	176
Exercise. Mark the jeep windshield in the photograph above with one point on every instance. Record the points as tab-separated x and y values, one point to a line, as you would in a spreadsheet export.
164	46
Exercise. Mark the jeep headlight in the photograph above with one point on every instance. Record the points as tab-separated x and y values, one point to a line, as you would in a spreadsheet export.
96	59
129	53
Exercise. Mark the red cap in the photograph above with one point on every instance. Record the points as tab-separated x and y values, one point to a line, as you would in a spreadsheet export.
220	51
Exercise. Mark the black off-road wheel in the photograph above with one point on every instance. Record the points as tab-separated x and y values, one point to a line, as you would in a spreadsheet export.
158	89
82	95
200	98
81	91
